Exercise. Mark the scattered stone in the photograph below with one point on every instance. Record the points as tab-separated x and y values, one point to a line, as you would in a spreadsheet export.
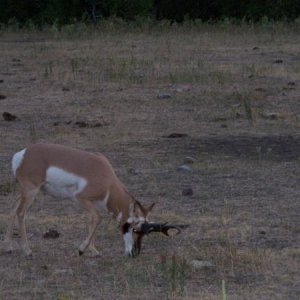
189	160
262	232
176	135
139	73
219	119
63	272
51	234
224	125
187	192
44	267
260	89
184	168
90	123
17	64
163	96
271	115
202	264
16	60
8	116
182	89
1	80
278	61
2	97
64	89
83	123
133	171
255	48
291	83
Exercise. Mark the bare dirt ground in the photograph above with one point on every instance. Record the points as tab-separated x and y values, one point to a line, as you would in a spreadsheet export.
232	92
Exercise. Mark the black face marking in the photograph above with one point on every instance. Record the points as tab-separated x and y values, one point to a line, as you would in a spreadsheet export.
125	228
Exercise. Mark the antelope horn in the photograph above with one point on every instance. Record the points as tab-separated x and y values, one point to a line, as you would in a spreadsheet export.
147	228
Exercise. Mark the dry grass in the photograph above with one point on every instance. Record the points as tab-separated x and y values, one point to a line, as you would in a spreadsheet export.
239	105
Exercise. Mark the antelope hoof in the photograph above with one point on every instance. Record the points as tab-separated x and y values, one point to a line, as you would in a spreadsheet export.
132	254
8	251
28	252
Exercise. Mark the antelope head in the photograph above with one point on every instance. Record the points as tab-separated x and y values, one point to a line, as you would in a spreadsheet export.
139	217
140	226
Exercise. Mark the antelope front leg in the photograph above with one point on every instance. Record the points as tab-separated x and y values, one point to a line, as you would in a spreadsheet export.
93	222
8	236
26	200
92	246
128	239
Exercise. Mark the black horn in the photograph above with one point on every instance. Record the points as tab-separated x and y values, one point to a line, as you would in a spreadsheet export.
164	228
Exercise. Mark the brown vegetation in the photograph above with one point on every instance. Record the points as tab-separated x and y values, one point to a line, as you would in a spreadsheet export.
237	111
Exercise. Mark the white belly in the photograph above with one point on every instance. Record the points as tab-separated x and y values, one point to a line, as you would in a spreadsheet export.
62	184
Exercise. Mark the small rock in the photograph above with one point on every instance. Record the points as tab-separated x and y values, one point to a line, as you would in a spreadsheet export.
262	232
64	272
65	89
220	119
81	124
278	61
176	135
291	83
8	116
187	192
133	171
2	97
202	264
255	48
271	116
189	160
89	123
1	80
183	168
182	89
51	234
163	96
260	89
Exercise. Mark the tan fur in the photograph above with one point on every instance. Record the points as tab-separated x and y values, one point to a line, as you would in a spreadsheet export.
93	167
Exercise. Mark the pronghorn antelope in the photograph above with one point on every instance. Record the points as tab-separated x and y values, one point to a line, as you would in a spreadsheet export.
87	178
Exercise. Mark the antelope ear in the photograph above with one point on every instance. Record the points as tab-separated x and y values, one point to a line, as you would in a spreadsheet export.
150	207
138	206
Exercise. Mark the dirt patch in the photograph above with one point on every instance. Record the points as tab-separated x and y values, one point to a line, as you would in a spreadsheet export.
277	148
233	113
281	148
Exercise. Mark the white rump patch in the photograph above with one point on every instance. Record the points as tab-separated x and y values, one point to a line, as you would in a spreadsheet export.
17	160
63	184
